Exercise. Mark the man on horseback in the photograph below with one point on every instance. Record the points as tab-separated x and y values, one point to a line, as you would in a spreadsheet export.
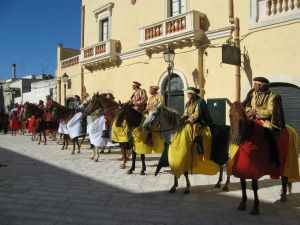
154	100
265	106
77	102
139	98
196	113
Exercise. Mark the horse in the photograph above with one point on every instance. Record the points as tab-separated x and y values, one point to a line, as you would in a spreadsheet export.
171	124
133	119
65	114
257	155
111	109
40	124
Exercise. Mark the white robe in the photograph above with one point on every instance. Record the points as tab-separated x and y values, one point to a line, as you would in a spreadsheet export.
74	126
63	128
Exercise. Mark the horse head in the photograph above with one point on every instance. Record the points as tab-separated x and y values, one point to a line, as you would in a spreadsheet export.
133	117
94	104
239	122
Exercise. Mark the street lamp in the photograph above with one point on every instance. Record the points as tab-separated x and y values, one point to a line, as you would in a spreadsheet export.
65	79
169	56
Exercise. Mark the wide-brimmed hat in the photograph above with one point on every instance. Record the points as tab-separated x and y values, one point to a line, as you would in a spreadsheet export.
154	87
192	90
137	84
261	80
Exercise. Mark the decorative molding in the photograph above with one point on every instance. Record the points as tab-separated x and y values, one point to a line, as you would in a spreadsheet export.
132	54
218	33
106	9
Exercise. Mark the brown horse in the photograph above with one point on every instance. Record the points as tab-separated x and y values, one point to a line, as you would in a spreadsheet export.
39	115
111	109
61	113
257	151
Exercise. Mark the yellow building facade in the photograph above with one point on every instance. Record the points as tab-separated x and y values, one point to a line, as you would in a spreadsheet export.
124	40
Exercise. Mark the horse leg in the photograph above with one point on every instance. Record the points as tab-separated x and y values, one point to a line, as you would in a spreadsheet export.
78	145
40	138
93	154
284	183
83	138
102	150
243	204
97	154
64	142
255	209
109	150
226	188
45	138
123	151
143	158
188	184
73	151
67	141
173	188
133	163
218	185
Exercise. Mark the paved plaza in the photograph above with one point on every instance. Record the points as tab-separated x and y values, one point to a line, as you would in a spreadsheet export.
47	186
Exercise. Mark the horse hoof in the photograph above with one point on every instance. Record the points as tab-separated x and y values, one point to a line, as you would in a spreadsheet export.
172	190
92	157
72	153
242	206
283	198
45	143
130	171
102	151
39	143
96	160
186	192
78	152
225	188
122	166
218	185
142	173
254	211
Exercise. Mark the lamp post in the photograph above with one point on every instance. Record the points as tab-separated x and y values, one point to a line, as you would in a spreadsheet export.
169	56
65	79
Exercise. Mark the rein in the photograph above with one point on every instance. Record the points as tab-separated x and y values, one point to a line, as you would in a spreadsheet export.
171	129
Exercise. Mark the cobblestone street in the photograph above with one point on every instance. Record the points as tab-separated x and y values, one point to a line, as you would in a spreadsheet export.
45	185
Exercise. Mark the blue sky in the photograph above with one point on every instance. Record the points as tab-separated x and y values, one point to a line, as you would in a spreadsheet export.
30	31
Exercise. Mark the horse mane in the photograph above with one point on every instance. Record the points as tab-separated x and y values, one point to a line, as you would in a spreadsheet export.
170	115
133	117
240	125
62	112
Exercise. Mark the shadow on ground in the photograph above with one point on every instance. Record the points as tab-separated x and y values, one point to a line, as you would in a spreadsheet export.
33	192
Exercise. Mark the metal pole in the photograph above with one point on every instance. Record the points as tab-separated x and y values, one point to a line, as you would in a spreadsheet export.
169	85
65	93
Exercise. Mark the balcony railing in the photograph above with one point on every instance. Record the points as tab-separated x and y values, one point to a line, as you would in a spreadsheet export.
182	27
270	12
101	52
69	62
277	7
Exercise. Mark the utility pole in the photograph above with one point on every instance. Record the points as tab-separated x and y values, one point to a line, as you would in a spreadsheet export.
236	38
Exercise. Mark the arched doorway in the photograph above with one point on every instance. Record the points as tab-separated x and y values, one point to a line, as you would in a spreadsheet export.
176	94
290	95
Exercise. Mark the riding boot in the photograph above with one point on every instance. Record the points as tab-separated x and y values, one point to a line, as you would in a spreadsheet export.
149	140
199	145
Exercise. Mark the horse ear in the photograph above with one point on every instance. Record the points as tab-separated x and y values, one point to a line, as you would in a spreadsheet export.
229	102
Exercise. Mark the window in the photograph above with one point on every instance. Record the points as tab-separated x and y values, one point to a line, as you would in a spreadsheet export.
104	30
176	7
104	17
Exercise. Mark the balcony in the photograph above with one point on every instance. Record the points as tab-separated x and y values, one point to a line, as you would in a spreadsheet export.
69	62
270	12
100	56
184	29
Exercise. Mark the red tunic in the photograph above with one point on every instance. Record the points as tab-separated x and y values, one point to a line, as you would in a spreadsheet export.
14	122
31	125
252	160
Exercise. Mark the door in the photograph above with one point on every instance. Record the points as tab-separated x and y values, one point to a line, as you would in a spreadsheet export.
176	94
290	95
